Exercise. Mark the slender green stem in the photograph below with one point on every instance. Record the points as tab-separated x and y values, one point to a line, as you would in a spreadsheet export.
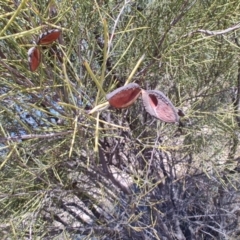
135	69
89	70
104	50
13	16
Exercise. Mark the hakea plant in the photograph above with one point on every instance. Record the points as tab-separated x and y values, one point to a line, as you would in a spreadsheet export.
155	102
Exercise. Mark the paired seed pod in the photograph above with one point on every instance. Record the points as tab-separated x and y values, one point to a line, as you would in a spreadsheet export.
34	53
155	102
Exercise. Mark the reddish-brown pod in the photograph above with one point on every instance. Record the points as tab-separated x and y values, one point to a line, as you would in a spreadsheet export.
49	37
34	58
124	96
159	106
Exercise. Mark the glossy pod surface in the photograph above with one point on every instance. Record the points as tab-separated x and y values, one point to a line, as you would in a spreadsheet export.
34	58
49	37
124	96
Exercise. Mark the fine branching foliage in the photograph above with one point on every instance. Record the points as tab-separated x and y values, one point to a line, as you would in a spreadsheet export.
74	167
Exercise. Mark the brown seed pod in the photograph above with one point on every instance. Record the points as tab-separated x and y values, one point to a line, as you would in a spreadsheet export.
49	37
34	58
124	96
159	106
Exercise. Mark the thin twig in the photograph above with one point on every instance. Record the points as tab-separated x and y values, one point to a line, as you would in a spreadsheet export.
32	136
115	25
183	11
214	33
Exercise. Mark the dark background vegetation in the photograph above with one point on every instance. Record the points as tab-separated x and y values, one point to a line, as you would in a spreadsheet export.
119	174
